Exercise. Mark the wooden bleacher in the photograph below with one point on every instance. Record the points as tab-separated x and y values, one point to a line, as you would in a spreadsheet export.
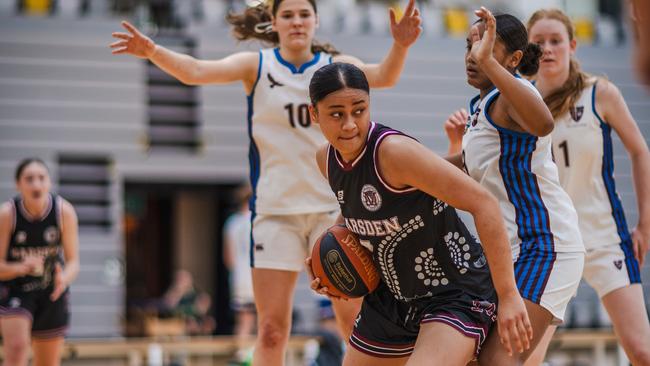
597	341
194	351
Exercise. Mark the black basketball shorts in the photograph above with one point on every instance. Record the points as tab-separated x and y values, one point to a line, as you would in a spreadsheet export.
387	327
49	318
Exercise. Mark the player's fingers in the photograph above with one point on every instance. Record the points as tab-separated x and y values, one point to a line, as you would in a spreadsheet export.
315	283
416	15
118	51
121	35
392	16
515	340
118	44
58	290
636	244
529	328
131	28
409	8
523	334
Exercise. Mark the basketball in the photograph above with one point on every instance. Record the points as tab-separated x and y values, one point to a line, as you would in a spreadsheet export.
343	265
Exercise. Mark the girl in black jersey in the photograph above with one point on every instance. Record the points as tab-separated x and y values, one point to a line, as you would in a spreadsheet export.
38	229
436	301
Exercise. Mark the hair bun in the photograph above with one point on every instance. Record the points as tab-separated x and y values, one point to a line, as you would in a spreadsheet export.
530	60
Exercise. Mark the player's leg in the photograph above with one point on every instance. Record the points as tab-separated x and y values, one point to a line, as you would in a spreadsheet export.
346	312
278	254
614	273
626	308
47	351
537	357
441	344
273	298
493	352
547	282
354	357
15	336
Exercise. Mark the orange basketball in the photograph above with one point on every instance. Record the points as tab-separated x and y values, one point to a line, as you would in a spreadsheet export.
343	265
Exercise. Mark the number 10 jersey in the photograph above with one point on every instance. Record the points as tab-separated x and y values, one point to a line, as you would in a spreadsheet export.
283	140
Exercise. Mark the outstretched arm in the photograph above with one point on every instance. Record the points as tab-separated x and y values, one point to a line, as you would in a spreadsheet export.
404	162
405	33
187	69
526	107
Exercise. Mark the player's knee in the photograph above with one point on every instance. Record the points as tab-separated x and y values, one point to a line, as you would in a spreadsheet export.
16	348
272	334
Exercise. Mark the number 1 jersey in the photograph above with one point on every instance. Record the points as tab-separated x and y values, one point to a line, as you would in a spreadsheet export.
283	140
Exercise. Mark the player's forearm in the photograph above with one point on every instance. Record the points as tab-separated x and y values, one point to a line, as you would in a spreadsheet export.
9	271
641	175
535	116
182	67
388	72
494	239
71	271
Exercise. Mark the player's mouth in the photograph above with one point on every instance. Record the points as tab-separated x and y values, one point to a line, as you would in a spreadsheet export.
471	72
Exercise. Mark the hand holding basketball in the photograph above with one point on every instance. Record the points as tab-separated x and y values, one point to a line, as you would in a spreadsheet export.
342	265
315	283
133	43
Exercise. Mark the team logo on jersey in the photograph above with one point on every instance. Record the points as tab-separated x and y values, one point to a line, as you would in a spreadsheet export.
14	302
21	237
370	198
618	264
339	197
480	262
51	235
475	116
273	82
259	247
577	112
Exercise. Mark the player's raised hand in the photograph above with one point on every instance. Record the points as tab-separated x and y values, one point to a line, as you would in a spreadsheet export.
455	129
315	282
482	46
408	29
133	43
513	324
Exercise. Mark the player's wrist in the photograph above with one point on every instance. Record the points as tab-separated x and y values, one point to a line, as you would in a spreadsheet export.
153	51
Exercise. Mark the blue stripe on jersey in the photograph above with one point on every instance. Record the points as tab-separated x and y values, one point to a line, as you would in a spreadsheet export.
253	157
532	285
608	174
292	67
537	253
617	208
631	263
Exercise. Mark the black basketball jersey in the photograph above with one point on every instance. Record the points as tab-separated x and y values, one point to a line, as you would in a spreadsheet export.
36	236
420	246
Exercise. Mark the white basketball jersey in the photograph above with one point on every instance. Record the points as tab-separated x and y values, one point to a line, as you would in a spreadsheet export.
284	174
518	169
582	147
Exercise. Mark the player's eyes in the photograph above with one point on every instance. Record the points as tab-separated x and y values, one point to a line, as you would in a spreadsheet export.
359	111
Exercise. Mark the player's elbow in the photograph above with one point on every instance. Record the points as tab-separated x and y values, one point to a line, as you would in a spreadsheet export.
543	126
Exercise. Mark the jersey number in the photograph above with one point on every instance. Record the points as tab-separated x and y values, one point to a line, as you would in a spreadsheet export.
565	149
301	111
